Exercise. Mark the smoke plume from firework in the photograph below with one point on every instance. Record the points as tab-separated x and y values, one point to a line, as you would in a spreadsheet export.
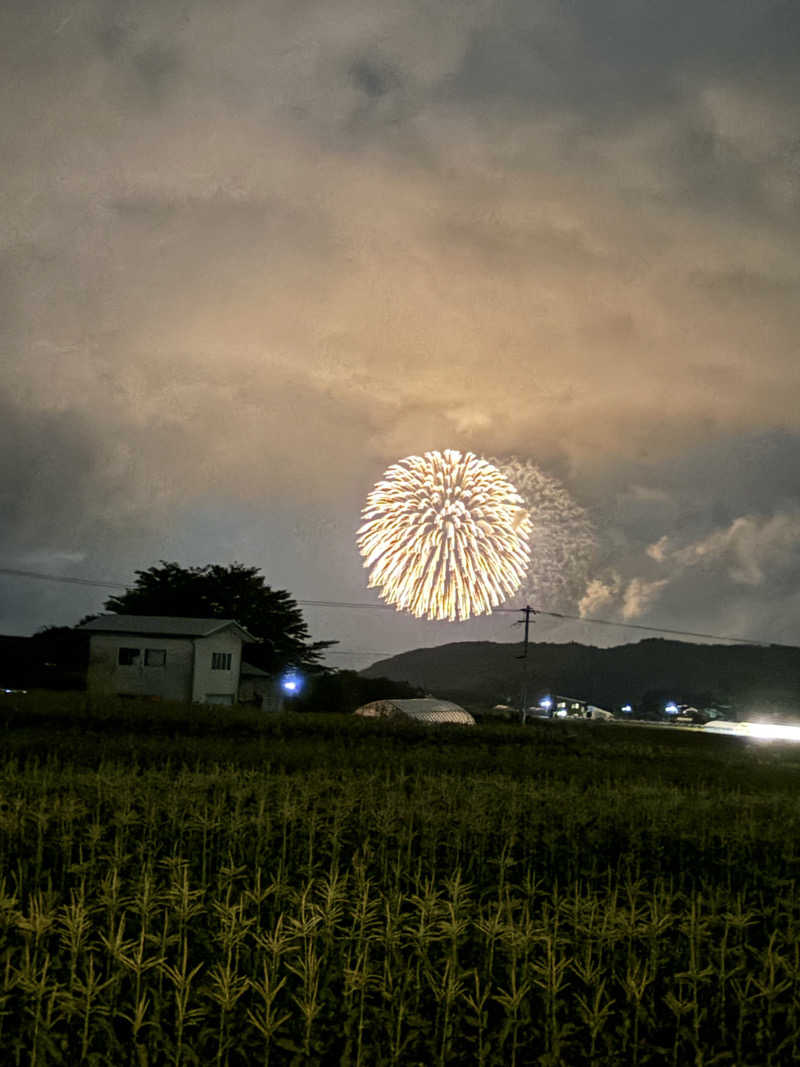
562	540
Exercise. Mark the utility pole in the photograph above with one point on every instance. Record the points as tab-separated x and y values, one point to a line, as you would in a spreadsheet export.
523	703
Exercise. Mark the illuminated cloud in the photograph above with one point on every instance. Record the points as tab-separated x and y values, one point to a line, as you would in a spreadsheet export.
252	255
659	550
749	548
638	596
600	595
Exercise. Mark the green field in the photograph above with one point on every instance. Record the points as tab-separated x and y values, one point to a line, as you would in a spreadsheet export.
217	887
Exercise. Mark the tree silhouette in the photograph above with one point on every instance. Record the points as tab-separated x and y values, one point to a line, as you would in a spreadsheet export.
228	592
344	691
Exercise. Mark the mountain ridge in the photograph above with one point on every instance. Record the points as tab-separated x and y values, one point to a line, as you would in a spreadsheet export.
640	673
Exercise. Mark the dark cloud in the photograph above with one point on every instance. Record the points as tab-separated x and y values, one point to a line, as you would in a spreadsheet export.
753	474
713	535
704	486
40	454
614	62
157	67
374	78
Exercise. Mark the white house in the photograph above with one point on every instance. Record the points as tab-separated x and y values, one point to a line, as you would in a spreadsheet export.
165	657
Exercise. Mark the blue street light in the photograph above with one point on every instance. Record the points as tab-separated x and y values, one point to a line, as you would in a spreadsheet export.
546	703
291	683
627	707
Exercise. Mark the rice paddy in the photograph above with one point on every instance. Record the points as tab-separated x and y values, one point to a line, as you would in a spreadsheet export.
191	888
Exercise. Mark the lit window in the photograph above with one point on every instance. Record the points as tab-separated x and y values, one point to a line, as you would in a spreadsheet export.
155	657
128	657
220	661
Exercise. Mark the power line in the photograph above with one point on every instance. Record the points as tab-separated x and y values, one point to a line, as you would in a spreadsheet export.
103	584
655	629
342	604
62	578
575	618
360	652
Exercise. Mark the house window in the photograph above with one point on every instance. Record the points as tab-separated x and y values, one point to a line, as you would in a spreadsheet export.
155	657
220	661
128	657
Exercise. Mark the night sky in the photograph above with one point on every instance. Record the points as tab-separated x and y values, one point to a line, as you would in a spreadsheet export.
252	253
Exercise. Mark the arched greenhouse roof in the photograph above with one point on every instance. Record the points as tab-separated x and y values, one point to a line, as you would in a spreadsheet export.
423	709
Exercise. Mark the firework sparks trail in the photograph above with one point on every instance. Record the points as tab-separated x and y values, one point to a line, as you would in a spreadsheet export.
562	540
446	536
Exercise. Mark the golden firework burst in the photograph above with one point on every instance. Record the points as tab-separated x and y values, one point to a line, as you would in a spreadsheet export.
446	536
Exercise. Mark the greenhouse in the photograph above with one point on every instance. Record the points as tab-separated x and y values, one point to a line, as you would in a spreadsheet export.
424	709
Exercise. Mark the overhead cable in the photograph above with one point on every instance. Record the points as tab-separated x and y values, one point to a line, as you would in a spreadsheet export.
359	605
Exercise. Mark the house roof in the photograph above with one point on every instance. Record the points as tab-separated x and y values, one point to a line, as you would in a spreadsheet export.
164	626
250	671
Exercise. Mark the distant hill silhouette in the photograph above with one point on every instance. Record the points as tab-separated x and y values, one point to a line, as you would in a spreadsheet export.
748	677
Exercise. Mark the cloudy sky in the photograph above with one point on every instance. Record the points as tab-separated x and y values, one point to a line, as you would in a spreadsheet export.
253	252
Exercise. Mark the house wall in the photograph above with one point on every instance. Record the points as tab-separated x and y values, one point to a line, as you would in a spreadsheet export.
173	681
216	686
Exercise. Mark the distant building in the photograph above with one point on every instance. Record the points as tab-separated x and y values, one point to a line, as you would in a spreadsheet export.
502	713
165	657
568	707
598	714
424	709
573	708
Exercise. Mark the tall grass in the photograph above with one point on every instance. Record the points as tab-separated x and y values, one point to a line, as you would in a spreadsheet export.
339	893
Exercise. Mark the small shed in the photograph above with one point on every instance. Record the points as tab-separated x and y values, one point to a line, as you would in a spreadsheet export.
423	709
165	657
258	688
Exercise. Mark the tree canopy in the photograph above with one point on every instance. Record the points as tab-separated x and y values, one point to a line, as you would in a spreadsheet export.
228	592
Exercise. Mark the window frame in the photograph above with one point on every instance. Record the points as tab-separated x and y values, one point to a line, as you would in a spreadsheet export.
132	658
162	652
226	659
